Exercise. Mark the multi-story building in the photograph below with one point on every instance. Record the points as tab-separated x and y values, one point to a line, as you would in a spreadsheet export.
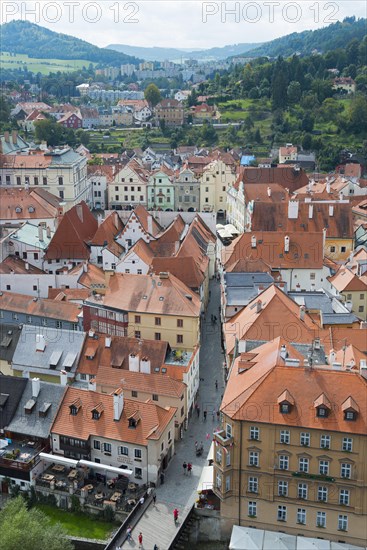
161	190
112	430
352	289
187	191
129	187
170	111
62	172
290	455
216	179
99	177
35	205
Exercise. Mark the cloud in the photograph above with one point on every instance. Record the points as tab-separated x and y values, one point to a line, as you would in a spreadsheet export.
182	24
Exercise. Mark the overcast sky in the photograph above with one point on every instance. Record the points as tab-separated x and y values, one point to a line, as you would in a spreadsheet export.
182	24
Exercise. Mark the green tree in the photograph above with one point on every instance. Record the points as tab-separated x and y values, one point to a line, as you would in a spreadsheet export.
357	115
29	529
152	95
279	84
208	134
307	123
49	131
307	142
294	92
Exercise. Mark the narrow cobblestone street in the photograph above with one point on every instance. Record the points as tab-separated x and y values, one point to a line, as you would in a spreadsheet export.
179	490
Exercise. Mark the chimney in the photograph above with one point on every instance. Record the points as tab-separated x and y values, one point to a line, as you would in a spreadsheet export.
40	233
259	306
36	386
107	342
26	265
150	224
286	243
331	210
293	210
14	137
269	191
327	186
332	357
145	365
283	352
79	211
85	267
313	287
341	196
118	404
63	378
6	137
92	386
310	211
133	362
298	287
260	288
253	241
302	311
48	232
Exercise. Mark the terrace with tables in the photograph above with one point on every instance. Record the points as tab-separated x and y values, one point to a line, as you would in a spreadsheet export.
92	488
20	455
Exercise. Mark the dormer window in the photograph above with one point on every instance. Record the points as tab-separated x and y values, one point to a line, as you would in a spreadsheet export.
97	412
350	409
132	423
95	415
286	402
73	410
322	406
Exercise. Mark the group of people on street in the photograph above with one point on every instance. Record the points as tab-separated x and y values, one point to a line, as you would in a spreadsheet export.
187	468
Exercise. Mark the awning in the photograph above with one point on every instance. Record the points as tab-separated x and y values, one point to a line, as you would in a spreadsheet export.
279	541
58	459
211	452
245	538
305	543
206	479
104	467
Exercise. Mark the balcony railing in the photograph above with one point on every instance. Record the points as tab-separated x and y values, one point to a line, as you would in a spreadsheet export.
318	477
223	438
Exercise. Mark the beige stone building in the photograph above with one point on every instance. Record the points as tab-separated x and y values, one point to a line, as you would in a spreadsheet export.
291	454
217	177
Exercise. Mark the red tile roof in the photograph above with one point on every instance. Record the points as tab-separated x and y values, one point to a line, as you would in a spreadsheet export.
22	303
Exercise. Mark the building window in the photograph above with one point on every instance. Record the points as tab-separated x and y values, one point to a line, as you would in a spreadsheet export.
343	249
321	519
107	447
346	471
218	481
157	321
283	462
228	458
342	523
8	287
179	323
137	319
19	181
321	412
155	397
282	488
303	464
123	451
360	309
302	490
61	180
322	493
157	336
34	287
97	445
301	516
228	431
344	497
35	180
179	339
332	249
138	473
44	181
61	194
134	393
58	324
305	439
113	267
325	442
254	433
253	485
282	513
253	458
284	408
137	453
323	467
137	334
312	276
218	456
285	437
252	509
347	444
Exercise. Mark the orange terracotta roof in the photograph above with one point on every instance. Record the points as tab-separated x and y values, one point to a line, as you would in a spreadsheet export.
261	193
43	307
268	376
184	268
284	175
151	294
143	250
68	294
13	264
305	250
345	280
107	230
153	420
35	161
93	275
160	384
106	170
73	235
117	354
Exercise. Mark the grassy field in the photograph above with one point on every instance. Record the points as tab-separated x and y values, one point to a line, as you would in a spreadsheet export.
78	525
44	66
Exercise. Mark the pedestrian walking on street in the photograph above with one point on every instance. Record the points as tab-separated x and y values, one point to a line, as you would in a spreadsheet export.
204	415
162	478
128	533
155	547
184	465
216	384
213	414
175	515
189	469
140	539
198	411
218	415
154	499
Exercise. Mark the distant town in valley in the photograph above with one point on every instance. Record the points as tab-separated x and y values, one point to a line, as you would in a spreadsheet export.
183	293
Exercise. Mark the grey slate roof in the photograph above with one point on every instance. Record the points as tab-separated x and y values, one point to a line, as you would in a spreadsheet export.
241	288
67	343
32	424
11	390
318	355
9	336
339	318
